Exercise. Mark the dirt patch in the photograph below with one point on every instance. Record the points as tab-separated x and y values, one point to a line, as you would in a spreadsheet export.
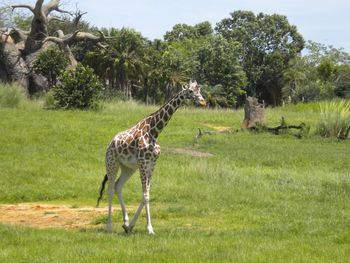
190	152
50	216
217	128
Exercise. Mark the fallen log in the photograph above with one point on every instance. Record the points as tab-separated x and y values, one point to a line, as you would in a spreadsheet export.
201	133
304	129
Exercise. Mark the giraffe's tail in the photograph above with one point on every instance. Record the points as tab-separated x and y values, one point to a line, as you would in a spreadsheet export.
105	179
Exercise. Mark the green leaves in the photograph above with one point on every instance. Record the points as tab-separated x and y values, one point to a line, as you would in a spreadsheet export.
268	42
78	89
220	67
50	63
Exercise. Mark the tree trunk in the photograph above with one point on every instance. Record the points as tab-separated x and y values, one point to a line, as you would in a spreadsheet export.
15	68
254	113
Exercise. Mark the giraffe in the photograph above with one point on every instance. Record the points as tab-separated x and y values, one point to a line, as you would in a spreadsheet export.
137	149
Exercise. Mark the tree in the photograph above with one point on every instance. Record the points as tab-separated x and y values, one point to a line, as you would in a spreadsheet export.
322	73
269	42
183	31
316	52
122	62
343	81
294	77
219	64
20	48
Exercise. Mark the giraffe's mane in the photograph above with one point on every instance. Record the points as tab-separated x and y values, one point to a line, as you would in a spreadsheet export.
161	108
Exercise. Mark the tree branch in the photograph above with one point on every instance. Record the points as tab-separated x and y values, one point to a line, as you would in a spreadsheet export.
52	18
53	39
54	5
62	11
78	15
60	33
18	35
31	8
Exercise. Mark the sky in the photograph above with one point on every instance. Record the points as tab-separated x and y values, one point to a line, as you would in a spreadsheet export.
326	22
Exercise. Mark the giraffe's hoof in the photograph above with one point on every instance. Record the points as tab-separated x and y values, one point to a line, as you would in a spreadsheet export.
150	231
127	228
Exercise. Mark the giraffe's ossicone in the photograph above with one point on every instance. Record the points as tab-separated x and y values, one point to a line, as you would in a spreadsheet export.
137	148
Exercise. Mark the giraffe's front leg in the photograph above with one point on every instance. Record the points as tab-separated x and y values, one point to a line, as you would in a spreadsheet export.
146	171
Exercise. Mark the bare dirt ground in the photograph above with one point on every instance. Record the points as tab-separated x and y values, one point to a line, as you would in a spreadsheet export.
64	216
50	216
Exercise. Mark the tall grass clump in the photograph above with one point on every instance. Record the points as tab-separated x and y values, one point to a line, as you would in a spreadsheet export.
334	119
11	95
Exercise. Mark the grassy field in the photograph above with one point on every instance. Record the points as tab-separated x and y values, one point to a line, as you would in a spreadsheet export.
258	198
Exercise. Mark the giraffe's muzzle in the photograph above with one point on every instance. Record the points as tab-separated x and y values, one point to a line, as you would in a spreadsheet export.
202	103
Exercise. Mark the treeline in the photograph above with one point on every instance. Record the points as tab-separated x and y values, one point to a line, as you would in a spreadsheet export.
259	55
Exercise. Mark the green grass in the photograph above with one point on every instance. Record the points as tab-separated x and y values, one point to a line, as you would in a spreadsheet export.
11	95
335	119
259	198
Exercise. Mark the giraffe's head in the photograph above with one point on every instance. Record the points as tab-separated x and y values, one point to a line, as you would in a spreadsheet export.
193	91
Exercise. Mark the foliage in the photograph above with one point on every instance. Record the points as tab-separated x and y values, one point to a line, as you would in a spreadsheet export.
11	95
342	81
133	67
121	63
50	63
14	18
323	73
269	42
49	100
316	52
219	64
214	96
78	89
334	119
181	32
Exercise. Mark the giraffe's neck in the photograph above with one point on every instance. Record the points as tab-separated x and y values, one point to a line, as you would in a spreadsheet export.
161	117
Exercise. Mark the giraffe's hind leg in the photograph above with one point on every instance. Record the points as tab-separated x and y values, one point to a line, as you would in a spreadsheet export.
126	173
111	169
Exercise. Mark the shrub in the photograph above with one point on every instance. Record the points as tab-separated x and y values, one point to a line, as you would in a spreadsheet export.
335	119
311	91
49	100
11	96
50	63
78	89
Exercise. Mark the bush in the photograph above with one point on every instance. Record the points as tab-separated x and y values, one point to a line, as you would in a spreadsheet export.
78	89
311	91
11	96
49	100
50	63
335	119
